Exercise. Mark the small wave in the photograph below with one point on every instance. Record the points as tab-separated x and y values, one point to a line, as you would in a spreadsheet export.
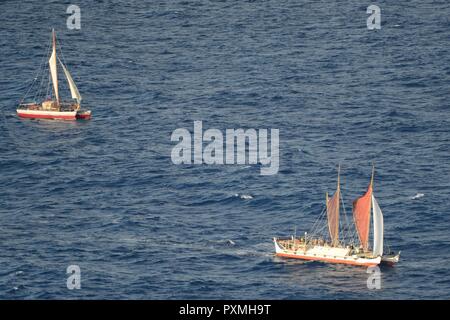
243	196
304	151
417	196
230	242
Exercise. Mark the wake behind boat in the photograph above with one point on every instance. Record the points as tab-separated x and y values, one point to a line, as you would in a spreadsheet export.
53	107
334	249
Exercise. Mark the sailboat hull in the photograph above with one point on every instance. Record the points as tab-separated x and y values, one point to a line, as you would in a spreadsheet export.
390	259
44	114
84	114
324	254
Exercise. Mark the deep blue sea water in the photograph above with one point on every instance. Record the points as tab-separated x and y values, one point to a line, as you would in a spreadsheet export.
104	194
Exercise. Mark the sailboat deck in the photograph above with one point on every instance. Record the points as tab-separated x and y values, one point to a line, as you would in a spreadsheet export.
321	248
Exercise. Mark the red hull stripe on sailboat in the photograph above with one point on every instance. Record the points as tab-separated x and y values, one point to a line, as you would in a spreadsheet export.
83	116
331	260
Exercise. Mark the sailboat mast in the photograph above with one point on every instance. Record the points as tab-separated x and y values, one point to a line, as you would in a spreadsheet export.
339	177
53	40
338	199
373	174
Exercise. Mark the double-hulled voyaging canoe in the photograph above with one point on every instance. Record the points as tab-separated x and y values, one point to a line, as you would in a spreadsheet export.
334	249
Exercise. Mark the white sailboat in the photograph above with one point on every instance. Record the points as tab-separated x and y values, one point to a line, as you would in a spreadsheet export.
53	107
336	250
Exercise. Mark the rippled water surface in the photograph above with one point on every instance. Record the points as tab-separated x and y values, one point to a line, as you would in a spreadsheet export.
104	194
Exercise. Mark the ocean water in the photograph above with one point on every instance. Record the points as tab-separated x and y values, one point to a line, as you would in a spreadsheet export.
104	195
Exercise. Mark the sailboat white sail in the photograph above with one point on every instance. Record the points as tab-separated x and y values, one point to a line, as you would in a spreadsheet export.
53	68
377	228
73	88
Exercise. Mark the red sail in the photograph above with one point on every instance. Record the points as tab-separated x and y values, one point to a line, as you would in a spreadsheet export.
361	215
333	217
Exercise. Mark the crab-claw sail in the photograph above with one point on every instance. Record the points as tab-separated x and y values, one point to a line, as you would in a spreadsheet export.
361	215
333	214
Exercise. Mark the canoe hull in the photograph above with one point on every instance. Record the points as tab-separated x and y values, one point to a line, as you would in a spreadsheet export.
55	115
43	114
390	259
84	114
325	254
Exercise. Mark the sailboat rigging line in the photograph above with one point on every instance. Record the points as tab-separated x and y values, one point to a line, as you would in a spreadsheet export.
355	236
42	70
41	85
39	71
70	82
320	232
59	45
47	93
346	232
318	222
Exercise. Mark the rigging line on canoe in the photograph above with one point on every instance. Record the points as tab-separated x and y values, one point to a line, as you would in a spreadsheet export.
49	86
38	73
353	237
59	45
351	232
43	78
42	69
348	233
70	84
63	60
38	93
322	232
316	224
318	220
347	228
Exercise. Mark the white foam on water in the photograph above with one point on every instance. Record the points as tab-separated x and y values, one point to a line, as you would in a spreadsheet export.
244	196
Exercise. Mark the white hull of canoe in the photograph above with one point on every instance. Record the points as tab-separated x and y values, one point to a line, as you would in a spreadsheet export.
326	254
62	115
43	114
390	259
